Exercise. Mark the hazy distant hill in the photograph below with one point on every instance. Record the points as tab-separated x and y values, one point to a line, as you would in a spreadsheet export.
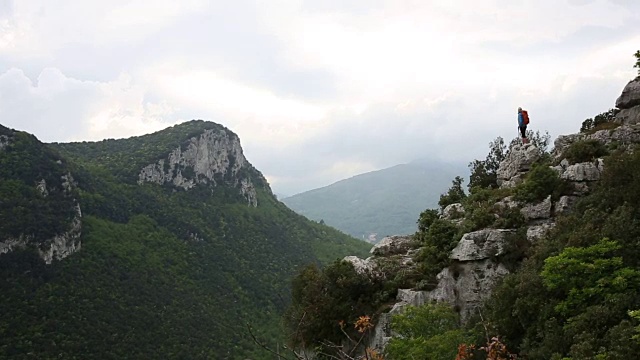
380	203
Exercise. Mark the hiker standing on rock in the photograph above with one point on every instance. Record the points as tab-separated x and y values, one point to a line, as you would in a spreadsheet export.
523	121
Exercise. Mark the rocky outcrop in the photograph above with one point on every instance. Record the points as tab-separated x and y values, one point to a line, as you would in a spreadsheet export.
630	96
565	204
63	245
361	266
541	210
481	244
453	212
4	141
536	232
393	245
519	160
213	157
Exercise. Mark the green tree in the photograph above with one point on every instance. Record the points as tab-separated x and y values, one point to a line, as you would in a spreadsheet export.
589	275
430	331
455	194
483	172
637	65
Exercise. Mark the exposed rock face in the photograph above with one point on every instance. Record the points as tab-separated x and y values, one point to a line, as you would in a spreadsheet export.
361	266
466	285
587	171
61	245
518	160
538	211
629	116
4	141
211	158
565	204
481	244
453	211
630	96
536	232
393	245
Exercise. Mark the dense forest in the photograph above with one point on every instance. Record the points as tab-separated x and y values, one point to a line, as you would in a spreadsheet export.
163	272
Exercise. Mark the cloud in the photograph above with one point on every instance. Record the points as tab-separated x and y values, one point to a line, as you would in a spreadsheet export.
317	91
59	108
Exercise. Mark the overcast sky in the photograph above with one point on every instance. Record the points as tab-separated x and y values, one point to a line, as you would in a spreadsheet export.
317	90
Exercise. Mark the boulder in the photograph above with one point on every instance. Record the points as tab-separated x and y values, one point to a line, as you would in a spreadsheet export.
361	266
629	116
586	171
565	204
453	211
562	142
536	232
518	160
506	203
481	244
393	245
537	211
630	96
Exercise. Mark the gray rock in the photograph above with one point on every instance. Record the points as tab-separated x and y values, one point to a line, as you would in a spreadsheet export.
630	96
586	171
208	158
63	245
519	159
42	187
580	188
513	182
565	204
629	116
467	285
453	211
506	203
536	232
361	266
541	210
393	245
481	244
562	142
4	141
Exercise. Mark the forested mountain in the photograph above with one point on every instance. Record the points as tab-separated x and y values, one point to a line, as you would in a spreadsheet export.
378	203
162	246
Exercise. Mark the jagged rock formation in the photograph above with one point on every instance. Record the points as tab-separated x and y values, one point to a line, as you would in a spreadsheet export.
516	164
213	157
629	103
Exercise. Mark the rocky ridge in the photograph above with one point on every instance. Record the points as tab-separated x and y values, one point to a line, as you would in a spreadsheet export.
213	157
475	261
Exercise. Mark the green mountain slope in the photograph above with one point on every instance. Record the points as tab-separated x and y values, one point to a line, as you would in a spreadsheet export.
384	202
173	269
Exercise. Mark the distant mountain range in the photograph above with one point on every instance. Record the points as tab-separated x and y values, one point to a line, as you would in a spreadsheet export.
373	205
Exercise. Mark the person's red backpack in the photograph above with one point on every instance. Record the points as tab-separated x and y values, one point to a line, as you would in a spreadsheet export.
525	117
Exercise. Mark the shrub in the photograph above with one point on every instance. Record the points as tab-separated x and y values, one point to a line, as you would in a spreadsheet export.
601	121
455	194
585	150
540	182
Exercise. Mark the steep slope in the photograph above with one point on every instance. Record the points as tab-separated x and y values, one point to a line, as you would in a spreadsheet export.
378	203
182	245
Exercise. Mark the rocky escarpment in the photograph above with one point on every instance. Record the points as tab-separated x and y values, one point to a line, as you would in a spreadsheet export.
38	208
214	157
629	103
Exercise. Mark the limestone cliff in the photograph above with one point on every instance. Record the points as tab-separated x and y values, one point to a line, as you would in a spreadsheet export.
213	157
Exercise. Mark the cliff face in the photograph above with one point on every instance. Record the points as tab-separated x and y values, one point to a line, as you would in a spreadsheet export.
39	206
213	157
478	263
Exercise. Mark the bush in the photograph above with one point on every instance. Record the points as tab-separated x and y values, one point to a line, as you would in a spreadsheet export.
455	194
601	121
540	182
585	150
